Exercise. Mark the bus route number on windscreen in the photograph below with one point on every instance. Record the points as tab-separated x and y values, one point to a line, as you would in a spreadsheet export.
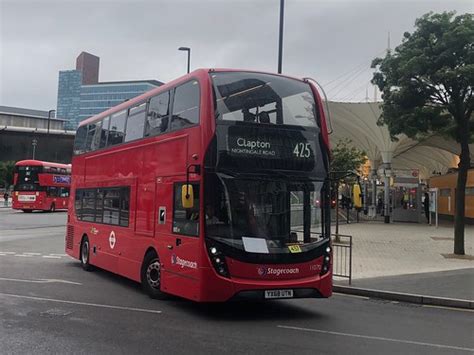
302	150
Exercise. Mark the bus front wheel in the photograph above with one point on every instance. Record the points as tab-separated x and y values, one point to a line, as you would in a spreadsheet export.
151	276
27	211
85	254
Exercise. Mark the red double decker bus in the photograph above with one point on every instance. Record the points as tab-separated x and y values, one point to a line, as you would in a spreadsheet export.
211	187
40	185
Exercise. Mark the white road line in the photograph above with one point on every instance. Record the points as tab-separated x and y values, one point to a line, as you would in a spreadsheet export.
83	303
52	254
9	252
51	257
41	281
3	254
35	254
23	255
379	338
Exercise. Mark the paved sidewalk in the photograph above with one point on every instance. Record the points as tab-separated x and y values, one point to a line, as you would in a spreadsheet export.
457	284
2	202
410	258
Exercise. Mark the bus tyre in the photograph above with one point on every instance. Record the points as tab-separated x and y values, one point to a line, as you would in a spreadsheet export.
85	254
52	208
27	211
151	276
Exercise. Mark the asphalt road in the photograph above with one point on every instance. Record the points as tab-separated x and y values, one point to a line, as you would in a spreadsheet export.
48	304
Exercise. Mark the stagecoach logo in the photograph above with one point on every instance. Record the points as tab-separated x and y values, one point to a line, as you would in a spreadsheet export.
112	240
264	270
176	260
252	147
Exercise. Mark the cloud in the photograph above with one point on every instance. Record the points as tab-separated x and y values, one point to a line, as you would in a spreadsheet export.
139	40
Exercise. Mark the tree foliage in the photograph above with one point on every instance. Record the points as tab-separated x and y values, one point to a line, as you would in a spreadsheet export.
6	173
346	158
427	82
426	86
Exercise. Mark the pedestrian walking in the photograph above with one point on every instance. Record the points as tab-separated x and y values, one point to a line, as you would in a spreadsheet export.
5	198
426	205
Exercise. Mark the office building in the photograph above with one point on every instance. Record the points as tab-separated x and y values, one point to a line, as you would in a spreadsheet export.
81	95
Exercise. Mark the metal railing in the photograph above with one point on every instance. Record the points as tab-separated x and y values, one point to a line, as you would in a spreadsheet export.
342	256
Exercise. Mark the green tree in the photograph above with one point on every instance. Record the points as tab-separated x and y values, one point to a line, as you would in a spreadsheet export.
427	89
346	159
345	164
6	173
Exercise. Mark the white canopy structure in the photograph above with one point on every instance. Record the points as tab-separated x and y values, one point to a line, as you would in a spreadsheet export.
358	122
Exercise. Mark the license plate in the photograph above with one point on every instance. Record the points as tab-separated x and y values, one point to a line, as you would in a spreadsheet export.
278	294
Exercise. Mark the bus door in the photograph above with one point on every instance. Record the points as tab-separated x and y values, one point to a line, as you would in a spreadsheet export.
180	244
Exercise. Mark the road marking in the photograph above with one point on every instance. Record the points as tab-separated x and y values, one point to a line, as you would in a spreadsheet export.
30	254
83	303
42	281
378	338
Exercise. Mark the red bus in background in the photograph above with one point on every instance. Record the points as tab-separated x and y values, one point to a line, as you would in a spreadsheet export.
40	185
211	187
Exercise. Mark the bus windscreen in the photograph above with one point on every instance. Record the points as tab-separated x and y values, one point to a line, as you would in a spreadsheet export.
263	99
278	211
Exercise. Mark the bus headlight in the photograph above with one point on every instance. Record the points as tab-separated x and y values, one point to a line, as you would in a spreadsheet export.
218	261
326	260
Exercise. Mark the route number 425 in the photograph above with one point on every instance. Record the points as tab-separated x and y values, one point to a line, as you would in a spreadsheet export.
302	150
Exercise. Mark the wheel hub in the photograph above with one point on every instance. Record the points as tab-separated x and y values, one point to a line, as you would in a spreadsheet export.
153	274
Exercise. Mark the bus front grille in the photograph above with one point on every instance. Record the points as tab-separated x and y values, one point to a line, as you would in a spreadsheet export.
70	237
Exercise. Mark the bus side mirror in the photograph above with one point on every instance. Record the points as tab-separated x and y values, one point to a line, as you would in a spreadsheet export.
187	196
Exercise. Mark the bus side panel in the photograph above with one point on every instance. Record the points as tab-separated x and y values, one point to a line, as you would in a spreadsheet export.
179	254
133	244
145	212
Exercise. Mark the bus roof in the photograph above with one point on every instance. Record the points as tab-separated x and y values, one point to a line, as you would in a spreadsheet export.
41	163
143	97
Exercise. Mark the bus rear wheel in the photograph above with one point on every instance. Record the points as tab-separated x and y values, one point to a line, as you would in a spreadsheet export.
52	208
151	276
85	254
27	211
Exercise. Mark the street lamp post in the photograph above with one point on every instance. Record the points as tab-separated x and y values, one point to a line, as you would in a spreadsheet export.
34	142
187	49
50	113
280	40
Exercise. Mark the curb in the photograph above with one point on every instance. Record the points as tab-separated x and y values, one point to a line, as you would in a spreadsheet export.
406	297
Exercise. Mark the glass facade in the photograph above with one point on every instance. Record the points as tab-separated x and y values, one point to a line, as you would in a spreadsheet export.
76	102
97	98
69	90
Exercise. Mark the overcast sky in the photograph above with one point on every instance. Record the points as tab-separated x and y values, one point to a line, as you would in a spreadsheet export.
332	41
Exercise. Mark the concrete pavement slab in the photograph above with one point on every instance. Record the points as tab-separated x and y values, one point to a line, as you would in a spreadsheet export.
458	284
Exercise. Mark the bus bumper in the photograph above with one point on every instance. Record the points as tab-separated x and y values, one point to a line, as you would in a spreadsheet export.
219	289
